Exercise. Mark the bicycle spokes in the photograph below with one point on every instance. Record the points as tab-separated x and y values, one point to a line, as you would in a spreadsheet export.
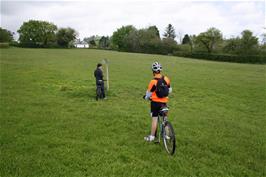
169	138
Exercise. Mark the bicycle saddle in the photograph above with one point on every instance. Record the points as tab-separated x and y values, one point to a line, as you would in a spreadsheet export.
164	109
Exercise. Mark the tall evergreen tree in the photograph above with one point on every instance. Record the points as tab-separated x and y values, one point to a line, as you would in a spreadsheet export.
186	39
104	42
169	32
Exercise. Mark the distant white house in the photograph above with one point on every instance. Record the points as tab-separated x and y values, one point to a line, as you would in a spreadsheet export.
81	44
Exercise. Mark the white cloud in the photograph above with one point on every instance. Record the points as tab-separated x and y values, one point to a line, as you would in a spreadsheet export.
103	17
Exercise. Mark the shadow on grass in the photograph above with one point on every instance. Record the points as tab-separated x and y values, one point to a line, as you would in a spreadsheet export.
83	92
89	93
78	92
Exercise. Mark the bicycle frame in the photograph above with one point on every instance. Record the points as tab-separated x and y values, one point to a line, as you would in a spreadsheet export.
160	124
165	131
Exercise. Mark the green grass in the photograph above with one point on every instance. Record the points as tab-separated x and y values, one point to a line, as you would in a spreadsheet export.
51	125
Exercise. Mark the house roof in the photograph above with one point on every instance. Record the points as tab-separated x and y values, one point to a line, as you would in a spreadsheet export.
80	42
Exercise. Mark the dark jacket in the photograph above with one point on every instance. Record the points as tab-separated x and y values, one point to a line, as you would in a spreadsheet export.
98	73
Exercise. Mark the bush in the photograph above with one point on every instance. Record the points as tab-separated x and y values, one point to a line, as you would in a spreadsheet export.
53	46
14	44
184	48
224	57
4	45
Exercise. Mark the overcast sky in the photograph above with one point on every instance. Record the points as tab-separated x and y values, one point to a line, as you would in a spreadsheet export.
102	17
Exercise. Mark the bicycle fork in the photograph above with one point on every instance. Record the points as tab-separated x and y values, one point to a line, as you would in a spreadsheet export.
159	129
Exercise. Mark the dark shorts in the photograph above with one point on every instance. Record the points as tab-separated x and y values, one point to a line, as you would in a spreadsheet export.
155	108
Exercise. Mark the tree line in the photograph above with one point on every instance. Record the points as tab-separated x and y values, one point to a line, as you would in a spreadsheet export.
209	44
211	41
40	34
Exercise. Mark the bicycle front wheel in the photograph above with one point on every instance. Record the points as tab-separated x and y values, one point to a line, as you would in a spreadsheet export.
169	138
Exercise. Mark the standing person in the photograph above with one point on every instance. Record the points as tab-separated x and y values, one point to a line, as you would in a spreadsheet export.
98	73
157	93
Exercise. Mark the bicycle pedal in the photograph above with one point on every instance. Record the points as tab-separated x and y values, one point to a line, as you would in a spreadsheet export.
167	137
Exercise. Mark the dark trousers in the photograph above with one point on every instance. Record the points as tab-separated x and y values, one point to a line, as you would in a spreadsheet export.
101	85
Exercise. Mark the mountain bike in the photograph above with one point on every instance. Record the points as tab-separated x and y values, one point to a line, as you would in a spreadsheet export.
166	131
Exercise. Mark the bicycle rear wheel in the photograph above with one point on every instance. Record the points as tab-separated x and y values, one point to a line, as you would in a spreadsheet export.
169	138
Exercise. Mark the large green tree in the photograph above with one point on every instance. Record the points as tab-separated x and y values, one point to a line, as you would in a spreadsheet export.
263	44
36	33
169	32
248	43
154	30
119	36
132	41
263	39
65	37
210	39
232	45
146	40
5	35
149	40
169	45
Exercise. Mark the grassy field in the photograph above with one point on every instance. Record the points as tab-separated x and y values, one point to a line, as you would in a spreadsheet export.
51	125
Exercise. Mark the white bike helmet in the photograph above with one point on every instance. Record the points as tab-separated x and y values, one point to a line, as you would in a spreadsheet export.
156	67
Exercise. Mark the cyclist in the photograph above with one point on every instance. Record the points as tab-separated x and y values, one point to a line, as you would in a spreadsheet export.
98	73
156	96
